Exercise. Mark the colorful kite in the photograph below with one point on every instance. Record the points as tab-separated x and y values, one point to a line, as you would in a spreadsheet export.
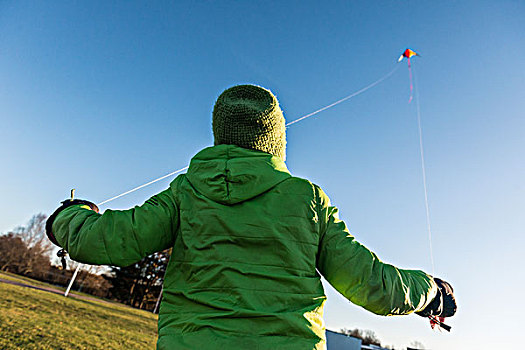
407	54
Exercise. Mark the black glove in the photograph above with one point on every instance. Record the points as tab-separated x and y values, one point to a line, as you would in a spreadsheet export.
444	304
65	204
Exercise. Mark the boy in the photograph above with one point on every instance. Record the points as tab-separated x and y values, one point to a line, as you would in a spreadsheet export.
250	243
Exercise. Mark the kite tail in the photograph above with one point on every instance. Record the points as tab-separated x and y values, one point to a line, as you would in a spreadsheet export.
411	85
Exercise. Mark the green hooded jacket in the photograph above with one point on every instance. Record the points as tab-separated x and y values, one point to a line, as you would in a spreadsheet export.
250	243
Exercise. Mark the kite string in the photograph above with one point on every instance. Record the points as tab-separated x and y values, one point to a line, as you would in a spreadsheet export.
186	167
66	293
423	171
410	77
358	92
144	185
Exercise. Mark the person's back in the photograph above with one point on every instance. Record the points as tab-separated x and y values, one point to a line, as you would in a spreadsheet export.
243	268
250	243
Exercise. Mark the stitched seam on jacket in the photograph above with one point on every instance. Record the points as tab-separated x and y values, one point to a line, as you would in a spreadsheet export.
242	288
317	338
245	263
179	179
135	233
319	222
283	216
228	197
255	238
105	245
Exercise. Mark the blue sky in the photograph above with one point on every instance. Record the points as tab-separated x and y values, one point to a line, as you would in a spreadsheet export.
104	97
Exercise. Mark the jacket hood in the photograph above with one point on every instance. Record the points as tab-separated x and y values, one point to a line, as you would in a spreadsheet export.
229	174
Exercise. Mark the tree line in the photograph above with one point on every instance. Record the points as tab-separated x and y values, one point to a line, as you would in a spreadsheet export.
369	338
27	251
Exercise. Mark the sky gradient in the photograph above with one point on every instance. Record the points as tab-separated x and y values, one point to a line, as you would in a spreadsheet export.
104	97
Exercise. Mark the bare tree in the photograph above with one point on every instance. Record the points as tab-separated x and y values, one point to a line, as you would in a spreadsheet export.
35	259
416	345
367	336
140	284
12	251
89	279
27	251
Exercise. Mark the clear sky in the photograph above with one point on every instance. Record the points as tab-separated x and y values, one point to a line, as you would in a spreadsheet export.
103	97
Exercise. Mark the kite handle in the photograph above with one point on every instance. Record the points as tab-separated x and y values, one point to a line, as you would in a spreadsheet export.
439	322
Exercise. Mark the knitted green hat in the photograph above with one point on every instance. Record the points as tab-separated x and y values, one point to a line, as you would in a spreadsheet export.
249	116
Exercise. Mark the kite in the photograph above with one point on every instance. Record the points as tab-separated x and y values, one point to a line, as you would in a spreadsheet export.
407	54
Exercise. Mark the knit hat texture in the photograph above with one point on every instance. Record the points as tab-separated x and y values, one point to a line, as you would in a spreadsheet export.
249	116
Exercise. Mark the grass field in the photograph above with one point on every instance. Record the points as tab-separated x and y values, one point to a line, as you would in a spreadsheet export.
34	319
27	280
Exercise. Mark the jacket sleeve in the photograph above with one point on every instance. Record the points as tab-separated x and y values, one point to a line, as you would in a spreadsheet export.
118	237
358	274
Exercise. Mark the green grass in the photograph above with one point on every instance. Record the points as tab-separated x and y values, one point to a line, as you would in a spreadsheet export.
27	280
33	319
